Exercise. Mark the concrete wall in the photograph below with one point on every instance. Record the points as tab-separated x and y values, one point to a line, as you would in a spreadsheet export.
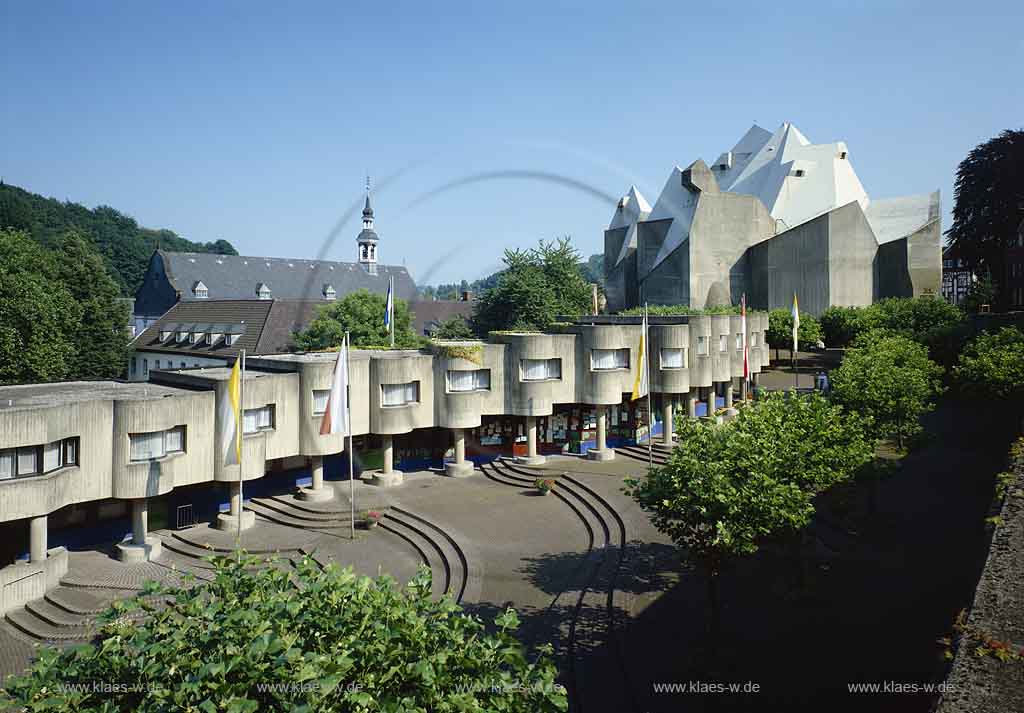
92	422
401	368
721	362
675	336
537	398
796	261
701	369
605	387
22	582
192	409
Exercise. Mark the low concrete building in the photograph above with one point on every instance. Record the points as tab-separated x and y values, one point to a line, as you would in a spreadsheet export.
774	216
88	462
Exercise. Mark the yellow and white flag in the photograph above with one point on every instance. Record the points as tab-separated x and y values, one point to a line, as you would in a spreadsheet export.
640	385
230	415
796	322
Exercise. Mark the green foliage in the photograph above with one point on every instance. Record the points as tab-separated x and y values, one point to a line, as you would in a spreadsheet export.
455	327
313	640
536	286
728	487
361	313
780	329
470	352
673	310
593	269
60	317
981	292
992	365
924	319
890	379
124	246
987	208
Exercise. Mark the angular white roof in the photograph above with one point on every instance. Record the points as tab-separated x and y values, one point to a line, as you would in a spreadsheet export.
678	203
632	207
893	218
795	179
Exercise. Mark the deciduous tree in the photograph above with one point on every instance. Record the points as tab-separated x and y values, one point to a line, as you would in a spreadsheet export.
361	313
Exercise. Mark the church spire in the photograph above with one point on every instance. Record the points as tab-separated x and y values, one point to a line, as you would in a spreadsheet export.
367	239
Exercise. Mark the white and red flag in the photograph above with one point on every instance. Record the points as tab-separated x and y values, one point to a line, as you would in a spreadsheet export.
335	418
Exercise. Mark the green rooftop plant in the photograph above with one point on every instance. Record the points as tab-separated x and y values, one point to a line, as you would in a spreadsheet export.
313	639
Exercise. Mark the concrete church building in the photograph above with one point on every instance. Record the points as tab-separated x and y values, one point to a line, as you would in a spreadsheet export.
772	216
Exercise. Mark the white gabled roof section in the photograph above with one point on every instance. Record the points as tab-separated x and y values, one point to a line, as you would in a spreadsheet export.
894	218
795	179
632	208
679	204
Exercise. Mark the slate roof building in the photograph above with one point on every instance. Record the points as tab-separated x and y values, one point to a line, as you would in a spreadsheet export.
185	277
774	215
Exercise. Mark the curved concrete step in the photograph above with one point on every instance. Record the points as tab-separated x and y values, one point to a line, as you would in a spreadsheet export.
272	515
54	615
26	622
77	600
292	510
431	552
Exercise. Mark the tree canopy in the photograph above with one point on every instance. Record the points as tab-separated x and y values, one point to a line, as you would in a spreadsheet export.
361	313
125	247
780	329
313	639
923	319
60	314
536	287
455	327
890	379
989	205
992	365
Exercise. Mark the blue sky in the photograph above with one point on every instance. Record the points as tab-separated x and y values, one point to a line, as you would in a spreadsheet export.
256	122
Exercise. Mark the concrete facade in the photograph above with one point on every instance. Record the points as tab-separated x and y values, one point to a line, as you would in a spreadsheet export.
133	442
774	216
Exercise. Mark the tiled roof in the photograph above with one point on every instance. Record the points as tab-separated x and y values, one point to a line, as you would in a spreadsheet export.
436	311
238	277
245	317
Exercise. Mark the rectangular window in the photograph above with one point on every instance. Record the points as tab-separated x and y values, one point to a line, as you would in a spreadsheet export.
540	369
145	366
400	394
51	456
673	358
6	465
753	339
212	338
146	446
702	346
723	342
28	461
258	419
477	380
609	359
320	397
182	336
195	338
174	441
70	451
739	341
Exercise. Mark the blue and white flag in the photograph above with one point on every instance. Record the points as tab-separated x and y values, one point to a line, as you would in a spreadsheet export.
389	307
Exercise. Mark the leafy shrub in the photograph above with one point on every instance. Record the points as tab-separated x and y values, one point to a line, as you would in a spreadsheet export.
992	365
311	640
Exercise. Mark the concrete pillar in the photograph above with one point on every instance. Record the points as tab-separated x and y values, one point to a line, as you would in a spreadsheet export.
235	489
669	425
602	452
389	454
531	457
728	394
37	539
140	521
461	467
691	404
318	472
317	491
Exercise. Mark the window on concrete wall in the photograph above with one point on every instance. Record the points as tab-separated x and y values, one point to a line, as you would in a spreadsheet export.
34	460
723	342
70	451
51	456
7	469
259	419
399	394
702	346
320	397
739	341
145	366
156	444
753	339
608	359
674	358
28	461
477	380
540	369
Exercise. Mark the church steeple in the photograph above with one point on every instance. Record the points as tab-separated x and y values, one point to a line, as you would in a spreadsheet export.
367	239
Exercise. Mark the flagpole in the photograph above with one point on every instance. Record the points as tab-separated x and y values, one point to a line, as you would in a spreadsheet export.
351	467
650	411
241	444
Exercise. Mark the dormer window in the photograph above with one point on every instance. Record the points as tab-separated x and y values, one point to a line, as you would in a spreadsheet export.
165	335
329	293
262	291
212	338
182	336
232	338
195	337
199	291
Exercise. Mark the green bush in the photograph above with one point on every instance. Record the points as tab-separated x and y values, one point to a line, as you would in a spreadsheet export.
992	365
311	640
